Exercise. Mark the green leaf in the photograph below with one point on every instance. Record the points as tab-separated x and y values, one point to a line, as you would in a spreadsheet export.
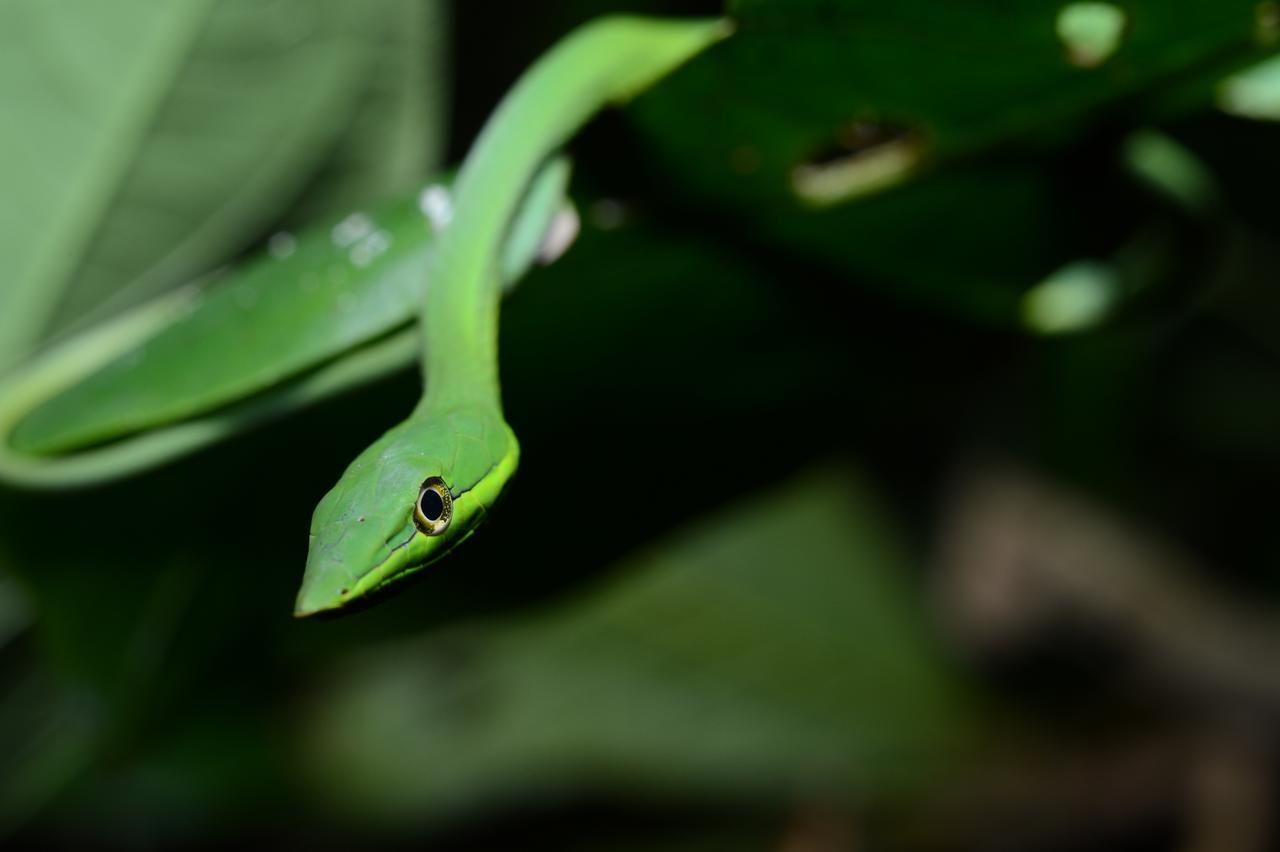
780	644
822	109
163	139
47	738
395	136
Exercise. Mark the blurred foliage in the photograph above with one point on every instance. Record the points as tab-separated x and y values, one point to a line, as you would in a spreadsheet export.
213	118
986	90
702	635
732	600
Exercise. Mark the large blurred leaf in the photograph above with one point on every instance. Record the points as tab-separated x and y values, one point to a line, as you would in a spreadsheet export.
962	75
47	737
395	135
873	87
145	143
779	645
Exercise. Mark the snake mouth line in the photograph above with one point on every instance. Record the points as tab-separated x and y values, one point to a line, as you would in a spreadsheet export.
353	596
390	553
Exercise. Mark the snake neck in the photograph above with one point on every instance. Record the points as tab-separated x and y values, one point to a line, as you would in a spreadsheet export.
460	349
609	60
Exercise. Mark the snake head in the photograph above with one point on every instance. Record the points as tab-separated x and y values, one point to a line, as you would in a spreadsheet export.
406	501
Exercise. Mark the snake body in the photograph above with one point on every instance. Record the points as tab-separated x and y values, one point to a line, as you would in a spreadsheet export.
425	486
213	359
335	307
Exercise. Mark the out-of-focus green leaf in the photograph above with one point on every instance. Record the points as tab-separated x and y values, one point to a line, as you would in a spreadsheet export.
816	104
147	143
60	717
1253	93
47	737
779	645
15	609
799	78
394	137
968	240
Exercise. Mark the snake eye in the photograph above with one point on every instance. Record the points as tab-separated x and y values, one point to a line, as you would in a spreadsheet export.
434	508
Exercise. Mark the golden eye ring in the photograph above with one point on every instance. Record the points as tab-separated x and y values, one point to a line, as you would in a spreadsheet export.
433	510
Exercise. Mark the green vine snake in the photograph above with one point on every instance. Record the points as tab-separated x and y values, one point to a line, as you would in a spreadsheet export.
106	402
426	485
114	400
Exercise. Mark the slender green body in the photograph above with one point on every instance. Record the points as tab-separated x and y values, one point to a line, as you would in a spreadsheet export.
607	61
370	530
335	307
324	311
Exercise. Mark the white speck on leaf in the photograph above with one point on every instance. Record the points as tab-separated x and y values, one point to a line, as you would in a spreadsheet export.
436	204
1091	32
368	249
349	230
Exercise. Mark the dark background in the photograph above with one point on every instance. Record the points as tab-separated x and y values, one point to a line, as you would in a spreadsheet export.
817	542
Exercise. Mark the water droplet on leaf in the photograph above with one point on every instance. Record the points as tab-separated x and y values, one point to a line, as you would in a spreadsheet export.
354	227
436	204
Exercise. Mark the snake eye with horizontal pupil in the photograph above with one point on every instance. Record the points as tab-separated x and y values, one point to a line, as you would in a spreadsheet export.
434	508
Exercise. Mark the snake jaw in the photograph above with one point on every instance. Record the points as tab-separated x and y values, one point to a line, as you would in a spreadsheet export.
367	535
333	580
373	529
328	586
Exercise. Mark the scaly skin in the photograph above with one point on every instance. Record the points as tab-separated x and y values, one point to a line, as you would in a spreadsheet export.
364	536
